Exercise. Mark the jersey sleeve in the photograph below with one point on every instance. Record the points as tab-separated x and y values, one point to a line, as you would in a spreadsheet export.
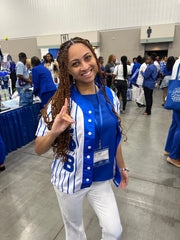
116	104
42	128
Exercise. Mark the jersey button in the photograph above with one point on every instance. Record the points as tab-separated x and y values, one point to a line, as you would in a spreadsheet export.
88	168
89	133
90	112
87	179
89	147
89	120
88	156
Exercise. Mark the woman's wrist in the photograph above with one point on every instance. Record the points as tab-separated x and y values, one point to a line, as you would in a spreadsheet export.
124	169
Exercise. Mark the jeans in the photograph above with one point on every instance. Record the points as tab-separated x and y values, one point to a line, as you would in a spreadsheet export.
121	86
173	139
102	200
148	93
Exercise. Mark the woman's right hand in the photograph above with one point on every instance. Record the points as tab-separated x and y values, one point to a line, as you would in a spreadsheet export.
62	120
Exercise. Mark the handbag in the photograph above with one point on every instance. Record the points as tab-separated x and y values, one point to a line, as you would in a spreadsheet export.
22	83
173	93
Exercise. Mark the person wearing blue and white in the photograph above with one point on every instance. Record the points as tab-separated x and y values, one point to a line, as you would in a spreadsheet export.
140	99
150	79
43	83
23	82
167	76
172	148
82	124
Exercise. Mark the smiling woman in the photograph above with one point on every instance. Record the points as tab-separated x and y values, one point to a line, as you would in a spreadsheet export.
82	123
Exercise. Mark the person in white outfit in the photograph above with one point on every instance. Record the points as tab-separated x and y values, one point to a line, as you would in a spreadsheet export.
140	99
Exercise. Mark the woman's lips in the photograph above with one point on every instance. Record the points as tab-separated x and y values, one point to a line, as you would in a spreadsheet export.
88	74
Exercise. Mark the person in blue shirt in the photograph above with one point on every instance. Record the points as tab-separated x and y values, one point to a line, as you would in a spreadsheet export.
44	86
166	73
150	79
82	124
172	148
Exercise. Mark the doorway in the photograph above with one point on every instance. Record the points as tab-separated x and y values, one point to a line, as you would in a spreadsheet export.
160	53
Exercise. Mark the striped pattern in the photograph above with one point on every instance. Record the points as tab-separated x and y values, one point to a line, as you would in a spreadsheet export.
64	180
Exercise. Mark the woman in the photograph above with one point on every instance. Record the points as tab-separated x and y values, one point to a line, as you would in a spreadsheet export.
120	74
44	86
2	155
166	73
150	79
109	68
137	65
53	67
140	100
82	125
172	148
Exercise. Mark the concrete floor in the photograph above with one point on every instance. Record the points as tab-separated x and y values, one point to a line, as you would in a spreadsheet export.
149	207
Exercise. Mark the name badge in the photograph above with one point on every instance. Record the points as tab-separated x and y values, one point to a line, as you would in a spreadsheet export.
101	157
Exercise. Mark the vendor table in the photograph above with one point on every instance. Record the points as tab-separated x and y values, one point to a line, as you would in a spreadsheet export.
18	126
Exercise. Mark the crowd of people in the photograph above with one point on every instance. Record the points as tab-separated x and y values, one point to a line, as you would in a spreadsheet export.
82	123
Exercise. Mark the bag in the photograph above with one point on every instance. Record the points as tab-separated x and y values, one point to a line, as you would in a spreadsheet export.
133	79
22	83
26	97
173	93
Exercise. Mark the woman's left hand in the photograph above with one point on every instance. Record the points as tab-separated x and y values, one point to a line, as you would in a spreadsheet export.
124	179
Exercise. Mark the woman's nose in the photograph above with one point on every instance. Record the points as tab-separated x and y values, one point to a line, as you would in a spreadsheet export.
84	66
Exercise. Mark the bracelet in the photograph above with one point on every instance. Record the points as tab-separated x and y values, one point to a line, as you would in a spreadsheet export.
124	169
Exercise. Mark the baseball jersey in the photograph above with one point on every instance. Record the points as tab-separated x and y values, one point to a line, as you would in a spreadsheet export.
77	172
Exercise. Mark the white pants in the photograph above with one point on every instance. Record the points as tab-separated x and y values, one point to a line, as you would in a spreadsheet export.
141	99
102	200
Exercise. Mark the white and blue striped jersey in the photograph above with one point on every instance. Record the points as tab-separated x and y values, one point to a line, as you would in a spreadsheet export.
76	172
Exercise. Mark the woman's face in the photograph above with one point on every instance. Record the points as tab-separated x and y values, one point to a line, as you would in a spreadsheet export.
48	58
82	63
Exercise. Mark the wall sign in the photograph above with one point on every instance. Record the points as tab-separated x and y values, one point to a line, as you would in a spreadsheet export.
157	33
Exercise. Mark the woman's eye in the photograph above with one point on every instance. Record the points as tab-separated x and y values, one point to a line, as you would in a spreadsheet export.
75	64
88	57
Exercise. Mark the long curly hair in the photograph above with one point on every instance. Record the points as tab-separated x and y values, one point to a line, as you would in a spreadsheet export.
61	144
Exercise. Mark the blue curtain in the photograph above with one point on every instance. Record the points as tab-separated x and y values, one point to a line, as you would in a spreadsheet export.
18	126
54	52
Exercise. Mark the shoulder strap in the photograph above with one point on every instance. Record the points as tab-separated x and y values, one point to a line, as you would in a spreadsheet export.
177	72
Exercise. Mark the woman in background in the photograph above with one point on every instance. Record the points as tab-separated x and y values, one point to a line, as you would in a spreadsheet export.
172	148
44	86
140	100
109	68
166	73
53	67
121	72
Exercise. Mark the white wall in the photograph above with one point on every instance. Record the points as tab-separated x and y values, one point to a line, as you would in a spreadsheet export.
27	18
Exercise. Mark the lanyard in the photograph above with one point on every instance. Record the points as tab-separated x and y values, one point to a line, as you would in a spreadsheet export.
99	131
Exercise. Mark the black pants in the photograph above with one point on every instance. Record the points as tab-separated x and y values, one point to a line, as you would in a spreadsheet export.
121	86
13	79
148	93
109	82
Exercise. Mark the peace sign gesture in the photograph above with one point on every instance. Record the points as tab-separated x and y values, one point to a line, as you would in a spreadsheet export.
62	120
